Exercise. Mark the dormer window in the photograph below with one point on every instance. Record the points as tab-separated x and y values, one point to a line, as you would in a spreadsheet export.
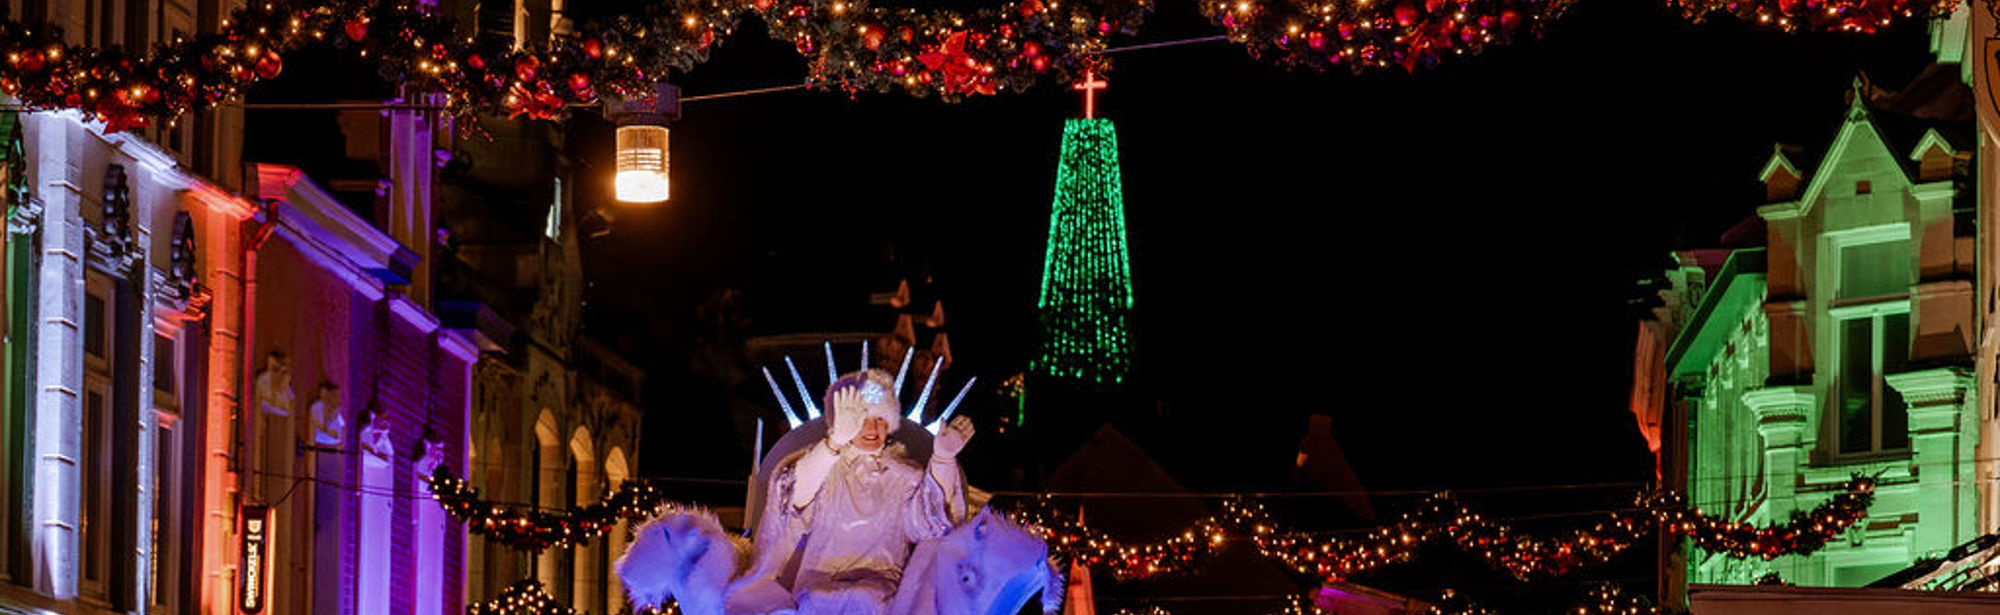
1874	269
1863	187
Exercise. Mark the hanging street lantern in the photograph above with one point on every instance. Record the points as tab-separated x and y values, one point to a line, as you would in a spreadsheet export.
642	142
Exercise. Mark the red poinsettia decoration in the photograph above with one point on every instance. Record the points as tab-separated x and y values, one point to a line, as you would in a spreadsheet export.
960	73
540	102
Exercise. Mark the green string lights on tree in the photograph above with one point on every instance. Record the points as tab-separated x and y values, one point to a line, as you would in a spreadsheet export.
1086	300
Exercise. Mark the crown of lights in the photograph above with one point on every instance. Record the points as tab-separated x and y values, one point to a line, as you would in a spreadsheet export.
793	419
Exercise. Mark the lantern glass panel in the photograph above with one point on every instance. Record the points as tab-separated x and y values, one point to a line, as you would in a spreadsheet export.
642	164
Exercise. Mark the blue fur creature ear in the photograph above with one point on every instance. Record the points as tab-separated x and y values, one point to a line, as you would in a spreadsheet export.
697	546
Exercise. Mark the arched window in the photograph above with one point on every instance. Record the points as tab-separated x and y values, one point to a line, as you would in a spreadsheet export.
378	491
549	483
588	557
615	474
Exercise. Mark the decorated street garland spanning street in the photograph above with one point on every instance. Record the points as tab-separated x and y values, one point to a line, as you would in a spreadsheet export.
1606	599
529	597
1361	35
848	44
1862	16
523	597
1439	519
534	529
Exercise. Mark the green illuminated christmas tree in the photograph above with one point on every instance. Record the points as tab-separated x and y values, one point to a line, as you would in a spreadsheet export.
1086	301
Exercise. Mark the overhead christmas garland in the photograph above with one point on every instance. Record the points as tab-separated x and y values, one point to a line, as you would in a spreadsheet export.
1296	605
1439	519
1361	35
523	597
1603	599
1526	557
847	43
481	74
1072	541
1442	519
529	597
1863	16
534	529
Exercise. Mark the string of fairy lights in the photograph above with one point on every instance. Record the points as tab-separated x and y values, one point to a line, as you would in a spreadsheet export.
1440	519
847	44
1602	599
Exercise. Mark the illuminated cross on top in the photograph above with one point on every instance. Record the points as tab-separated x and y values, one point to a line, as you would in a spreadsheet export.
1090	85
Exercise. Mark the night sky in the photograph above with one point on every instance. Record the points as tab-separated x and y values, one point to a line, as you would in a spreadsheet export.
1445	263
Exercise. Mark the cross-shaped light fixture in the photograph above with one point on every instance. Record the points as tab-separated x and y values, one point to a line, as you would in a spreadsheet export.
1090	85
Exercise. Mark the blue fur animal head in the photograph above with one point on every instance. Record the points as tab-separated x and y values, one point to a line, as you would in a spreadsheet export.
988	566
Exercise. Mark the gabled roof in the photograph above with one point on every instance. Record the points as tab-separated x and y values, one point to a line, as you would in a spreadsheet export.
1779	161
1929	112
1854	130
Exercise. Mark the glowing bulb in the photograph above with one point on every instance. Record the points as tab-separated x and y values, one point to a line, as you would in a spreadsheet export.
642	164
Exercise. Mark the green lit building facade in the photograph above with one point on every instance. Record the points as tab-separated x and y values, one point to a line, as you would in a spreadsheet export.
1842	346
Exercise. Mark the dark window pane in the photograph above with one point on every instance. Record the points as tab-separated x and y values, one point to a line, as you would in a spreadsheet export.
93	325
93	500
163	486
1857	380
1876	269
164	365
1895	353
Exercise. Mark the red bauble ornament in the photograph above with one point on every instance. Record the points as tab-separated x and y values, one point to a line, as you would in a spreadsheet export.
1041	63
1031	48
1316	39
32	61
872	37
1346	29
474	61
1406	14
1103	27
762	5
1510	18
269	65
1030	7
1006	30
707	38
905	33
593	48
580	83
526	67
1432	6
357	29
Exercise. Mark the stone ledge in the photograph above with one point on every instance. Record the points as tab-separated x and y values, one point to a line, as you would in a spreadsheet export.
1932	387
